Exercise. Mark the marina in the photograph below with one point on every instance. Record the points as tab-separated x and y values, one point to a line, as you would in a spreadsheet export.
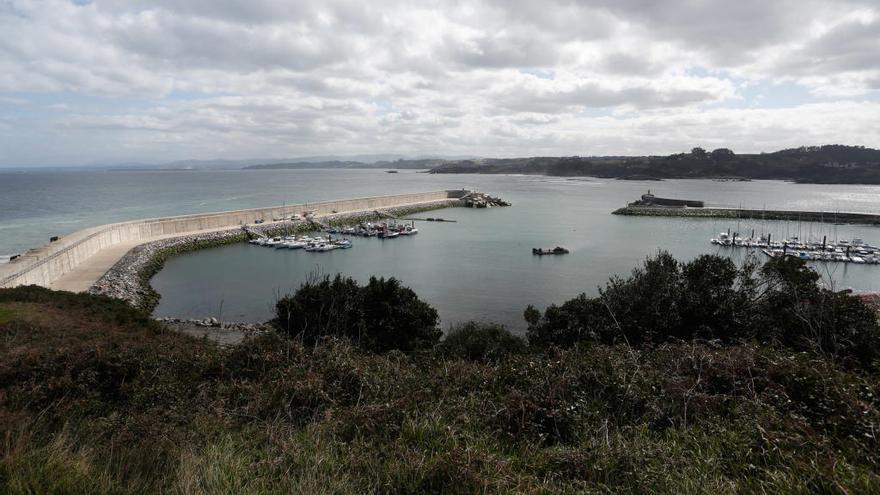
79	260
321	244
841	251
452	264
813	248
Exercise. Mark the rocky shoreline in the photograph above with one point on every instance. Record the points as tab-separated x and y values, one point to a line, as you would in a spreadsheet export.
223	333
129	278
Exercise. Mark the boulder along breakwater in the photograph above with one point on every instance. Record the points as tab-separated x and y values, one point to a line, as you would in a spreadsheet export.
740	213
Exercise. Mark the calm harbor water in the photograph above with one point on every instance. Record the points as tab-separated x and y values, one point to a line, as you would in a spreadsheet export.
478	268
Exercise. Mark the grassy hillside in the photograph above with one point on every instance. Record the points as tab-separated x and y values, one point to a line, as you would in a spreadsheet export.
95	397
818	164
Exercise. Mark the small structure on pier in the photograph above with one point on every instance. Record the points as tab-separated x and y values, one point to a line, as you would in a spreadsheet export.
651	200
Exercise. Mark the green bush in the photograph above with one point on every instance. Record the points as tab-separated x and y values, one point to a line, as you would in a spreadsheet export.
380	316
711	298
800	314
395	318
321	308
481	342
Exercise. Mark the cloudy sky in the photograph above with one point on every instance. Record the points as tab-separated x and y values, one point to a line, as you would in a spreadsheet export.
108	81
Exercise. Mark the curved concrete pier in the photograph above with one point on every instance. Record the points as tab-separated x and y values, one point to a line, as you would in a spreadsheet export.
76	261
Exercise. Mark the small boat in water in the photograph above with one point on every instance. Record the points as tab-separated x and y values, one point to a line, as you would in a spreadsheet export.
556	250
321	246
294	244
286	243
408	229
273	242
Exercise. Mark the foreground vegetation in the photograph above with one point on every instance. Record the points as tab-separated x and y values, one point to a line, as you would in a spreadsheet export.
683	378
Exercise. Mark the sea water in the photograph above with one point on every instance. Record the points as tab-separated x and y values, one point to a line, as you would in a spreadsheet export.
478	268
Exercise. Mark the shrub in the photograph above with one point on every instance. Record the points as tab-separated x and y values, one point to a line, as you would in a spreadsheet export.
798	313
320	308
576	320
395	318
481	342
716	302
712	298
381	316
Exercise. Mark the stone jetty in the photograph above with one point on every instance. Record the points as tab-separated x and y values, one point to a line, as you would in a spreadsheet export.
129	278
76	260
740	213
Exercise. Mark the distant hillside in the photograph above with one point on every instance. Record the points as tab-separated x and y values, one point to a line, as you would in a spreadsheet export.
375	160
830	164
420	163
297	165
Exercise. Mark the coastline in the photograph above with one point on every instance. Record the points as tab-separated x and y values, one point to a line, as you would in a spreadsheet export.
659	178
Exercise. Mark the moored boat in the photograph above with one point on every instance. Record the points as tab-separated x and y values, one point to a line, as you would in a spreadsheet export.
556	250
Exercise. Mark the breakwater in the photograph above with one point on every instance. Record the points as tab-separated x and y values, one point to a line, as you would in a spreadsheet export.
740	213
129	278
87	254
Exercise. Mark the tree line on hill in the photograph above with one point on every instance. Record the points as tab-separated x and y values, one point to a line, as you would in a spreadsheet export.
815	164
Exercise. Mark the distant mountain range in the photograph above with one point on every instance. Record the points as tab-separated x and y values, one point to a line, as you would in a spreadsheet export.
829	164
400	163
327	161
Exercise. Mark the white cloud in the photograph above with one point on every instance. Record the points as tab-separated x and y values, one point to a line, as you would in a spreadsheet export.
205	78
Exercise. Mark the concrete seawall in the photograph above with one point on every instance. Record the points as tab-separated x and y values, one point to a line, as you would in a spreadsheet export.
46	264
795	215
